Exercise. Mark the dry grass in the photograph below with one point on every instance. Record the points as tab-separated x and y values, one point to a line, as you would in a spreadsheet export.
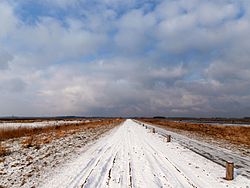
58	131
234	134
3	150
36	137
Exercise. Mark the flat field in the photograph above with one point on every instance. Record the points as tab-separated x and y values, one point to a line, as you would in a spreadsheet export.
28	153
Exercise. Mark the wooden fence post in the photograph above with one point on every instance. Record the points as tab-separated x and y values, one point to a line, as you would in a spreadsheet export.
153	130
229	170
168	137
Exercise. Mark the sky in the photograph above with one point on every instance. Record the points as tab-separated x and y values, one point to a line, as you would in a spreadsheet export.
125	58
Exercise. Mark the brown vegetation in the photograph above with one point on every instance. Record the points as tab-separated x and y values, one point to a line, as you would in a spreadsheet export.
58	131
234	134
36	137
3	151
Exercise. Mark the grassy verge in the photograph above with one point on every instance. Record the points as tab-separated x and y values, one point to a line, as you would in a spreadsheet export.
37	136
234	134
8	133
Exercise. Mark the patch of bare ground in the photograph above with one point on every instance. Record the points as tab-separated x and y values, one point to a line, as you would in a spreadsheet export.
27	156
230	137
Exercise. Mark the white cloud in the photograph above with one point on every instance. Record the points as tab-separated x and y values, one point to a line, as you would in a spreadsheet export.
5	58
134	31
49	42
181	58
8	20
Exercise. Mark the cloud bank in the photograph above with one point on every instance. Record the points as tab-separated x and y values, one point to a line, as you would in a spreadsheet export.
125	58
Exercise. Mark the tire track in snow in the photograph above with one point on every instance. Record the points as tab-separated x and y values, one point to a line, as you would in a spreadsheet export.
130	175
120	170
102	177
92	164
174	175
148	161
110	170
188	180
100	173
129	157
159	153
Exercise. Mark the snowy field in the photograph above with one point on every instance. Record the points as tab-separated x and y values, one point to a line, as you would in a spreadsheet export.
224	124
39	123
27	166
132	156
229	124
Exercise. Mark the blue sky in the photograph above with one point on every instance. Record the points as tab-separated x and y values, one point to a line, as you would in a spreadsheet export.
122	58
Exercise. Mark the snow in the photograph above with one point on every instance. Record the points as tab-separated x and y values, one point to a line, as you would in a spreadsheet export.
39	124
218	123
229	124
217	154
132	156
28	166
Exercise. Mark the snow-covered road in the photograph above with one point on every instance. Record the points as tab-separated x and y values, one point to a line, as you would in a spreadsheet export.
214	153
132	156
